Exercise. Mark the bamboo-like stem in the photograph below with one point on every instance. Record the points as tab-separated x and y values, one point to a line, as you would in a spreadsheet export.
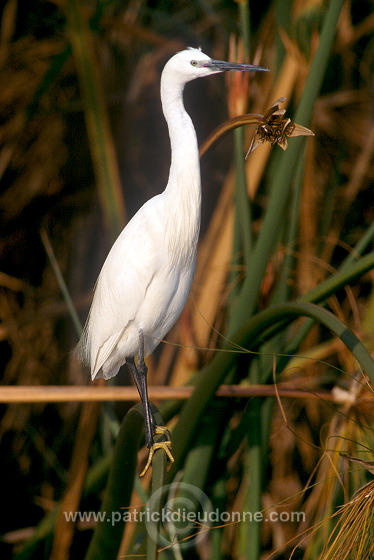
34	394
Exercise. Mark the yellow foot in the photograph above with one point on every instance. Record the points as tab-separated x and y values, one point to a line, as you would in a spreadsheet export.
165	445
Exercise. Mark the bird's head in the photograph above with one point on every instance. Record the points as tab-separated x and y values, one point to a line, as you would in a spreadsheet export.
192	63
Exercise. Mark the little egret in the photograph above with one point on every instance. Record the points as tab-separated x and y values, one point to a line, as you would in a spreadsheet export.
145	280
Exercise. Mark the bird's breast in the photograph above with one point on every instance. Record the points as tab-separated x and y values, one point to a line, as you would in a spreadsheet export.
182	225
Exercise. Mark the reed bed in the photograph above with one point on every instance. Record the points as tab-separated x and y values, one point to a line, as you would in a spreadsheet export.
266	381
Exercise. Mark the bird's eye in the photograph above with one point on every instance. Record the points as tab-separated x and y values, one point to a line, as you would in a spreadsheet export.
194	63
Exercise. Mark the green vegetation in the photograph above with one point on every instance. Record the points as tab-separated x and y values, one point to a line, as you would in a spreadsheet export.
282	304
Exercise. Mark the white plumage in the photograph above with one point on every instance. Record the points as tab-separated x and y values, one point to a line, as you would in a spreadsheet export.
146	278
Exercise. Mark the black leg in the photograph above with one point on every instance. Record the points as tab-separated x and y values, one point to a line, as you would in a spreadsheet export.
139	374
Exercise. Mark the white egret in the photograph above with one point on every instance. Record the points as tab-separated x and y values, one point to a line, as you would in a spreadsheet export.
145	280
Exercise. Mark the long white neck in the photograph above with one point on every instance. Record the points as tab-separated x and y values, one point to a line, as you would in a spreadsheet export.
183	190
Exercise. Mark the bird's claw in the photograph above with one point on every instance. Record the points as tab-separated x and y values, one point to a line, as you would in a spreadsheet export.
165	445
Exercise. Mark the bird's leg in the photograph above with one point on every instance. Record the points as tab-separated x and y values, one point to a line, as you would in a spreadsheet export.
139	374
140	377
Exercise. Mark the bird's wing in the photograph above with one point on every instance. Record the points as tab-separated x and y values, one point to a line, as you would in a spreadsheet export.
104	354
135	258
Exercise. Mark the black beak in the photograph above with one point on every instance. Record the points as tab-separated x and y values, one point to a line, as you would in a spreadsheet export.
221	66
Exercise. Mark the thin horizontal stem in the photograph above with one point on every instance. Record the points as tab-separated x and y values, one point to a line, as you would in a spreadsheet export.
30	394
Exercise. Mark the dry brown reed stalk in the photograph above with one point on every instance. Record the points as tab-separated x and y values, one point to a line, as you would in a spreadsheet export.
293	453
349	432
293	435
353	536
99	393
33	152
289	75
64	530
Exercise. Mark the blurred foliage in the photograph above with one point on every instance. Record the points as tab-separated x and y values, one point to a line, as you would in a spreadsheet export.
79	115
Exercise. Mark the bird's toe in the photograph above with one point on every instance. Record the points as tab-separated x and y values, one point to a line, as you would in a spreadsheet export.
165	445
